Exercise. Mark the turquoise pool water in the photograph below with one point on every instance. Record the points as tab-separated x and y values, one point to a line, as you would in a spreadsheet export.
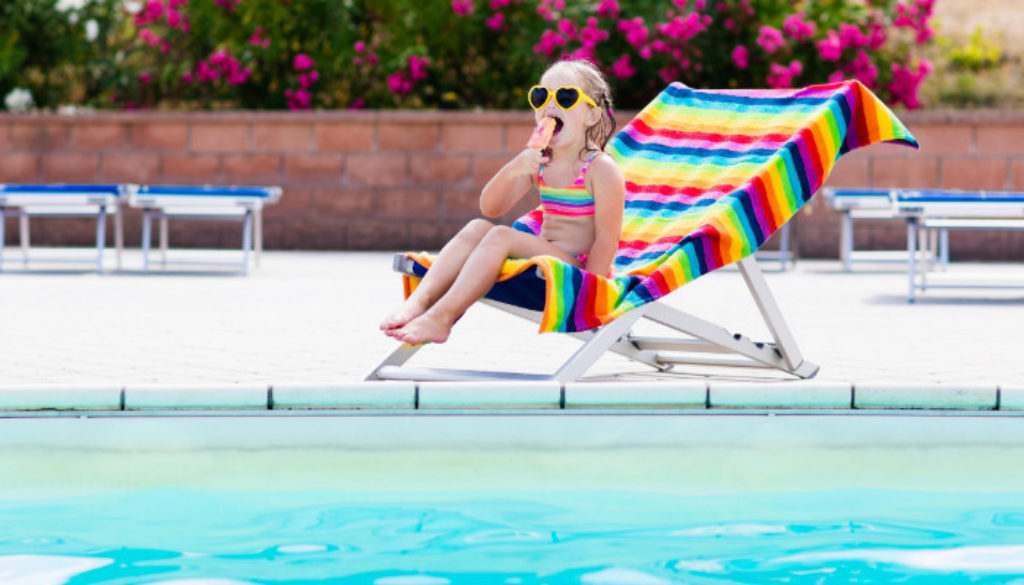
590	500
217	537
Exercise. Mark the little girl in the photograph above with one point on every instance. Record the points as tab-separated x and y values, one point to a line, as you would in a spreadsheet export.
582	193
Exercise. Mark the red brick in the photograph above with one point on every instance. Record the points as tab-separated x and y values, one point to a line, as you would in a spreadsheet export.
473	138
407	203
40	136
163	136
460	203
377	234
220	137
849	173
344	202
516	137
19	167
5	136
90	136
388	170
282	137
408	137
313	168
974	173
190	169
1007	139
344	137
941	139
443	169
918	171
294	201
252	169
1018	175
426	235
485	167
70	167
130	168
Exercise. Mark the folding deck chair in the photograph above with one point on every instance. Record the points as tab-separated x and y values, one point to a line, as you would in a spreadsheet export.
210	203
710	175
64	201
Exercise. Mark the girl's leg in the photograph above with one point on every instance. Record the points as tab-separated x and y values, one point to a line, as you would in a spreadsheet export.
477	276
440	276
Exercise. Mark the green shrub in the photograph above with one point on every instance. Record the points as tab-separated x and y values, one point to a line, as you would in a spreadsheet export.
299	54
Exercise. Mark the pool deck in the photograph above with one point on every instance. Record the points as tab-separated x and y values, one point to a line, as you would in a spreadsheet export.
300	332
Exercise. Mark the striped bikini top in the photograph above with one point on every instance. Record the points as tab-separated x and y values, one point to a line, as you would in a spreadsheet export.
573	201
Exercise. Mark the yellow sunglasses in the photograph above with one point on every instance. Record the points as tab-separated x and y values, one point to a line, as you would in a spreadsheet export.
567	97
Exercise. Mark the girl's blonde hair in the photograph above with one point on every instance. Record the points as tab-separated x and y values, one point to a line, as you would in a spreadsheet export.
594	84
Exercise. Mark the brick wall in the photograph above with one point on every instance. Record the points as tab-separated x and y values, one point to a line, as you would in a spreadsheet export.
393	180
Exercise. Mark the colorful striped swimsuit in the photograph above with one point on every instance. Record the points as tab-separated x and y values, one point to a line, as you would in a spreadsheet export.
572	201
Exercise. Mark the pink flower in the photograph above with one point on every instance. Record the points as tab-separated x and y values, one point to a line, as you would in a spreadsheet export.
174	18
396	82
683	29
797	28
549	43
634	30
496	21
829	48
608	9
257	38
590	36
770	39
781	76
622	68
360	46
850	37
187	77
907	81
418	68
298	99
145	78
567	28
463	7
149	37
302	62
499	4
357	104
740	57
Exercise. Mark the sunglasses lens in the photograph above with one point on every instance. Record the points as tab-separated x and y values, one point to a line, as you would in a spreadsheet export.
538	96
566	97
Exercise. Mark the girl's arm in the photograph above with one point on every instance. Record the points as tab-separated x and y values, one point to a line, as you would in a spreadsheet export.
609	189
512	182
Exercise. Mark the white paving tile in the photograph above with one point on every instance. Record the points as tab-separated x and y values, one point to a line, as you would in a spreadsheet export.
888	395
490	395
174	397
352	395
804	394
685	394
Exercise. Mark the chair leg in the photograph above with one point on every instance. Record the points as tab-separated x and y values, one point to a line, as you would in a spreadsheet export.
119	234
592	350
246	240
101	237
147	237
395	358
257	239
165	238
24	234
784	341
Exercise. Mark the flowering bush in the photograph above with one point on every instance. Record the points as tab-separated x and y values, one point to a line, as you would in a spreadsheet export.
301	54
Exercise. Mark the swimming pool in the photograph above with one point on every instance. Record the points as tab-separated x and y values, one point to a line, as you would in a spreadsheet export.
514	498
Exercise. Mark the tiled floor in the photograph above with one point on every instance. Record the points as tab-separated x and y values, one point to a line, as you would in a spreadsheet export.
311	318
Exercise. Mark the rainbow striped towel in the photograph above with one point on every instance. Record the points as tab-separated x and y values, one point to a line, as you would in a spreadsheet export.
710	175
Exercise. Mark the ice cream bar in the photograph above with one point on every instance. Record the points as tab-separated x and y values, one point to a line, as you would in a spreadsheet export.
542	134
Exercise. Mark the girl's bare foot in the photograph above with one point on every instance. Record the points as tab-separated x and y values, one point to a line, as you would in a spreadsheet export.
407	312
423	329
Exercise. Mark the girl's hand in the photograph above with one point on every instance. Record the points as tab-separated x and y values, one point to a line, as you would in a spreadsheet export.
529	161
